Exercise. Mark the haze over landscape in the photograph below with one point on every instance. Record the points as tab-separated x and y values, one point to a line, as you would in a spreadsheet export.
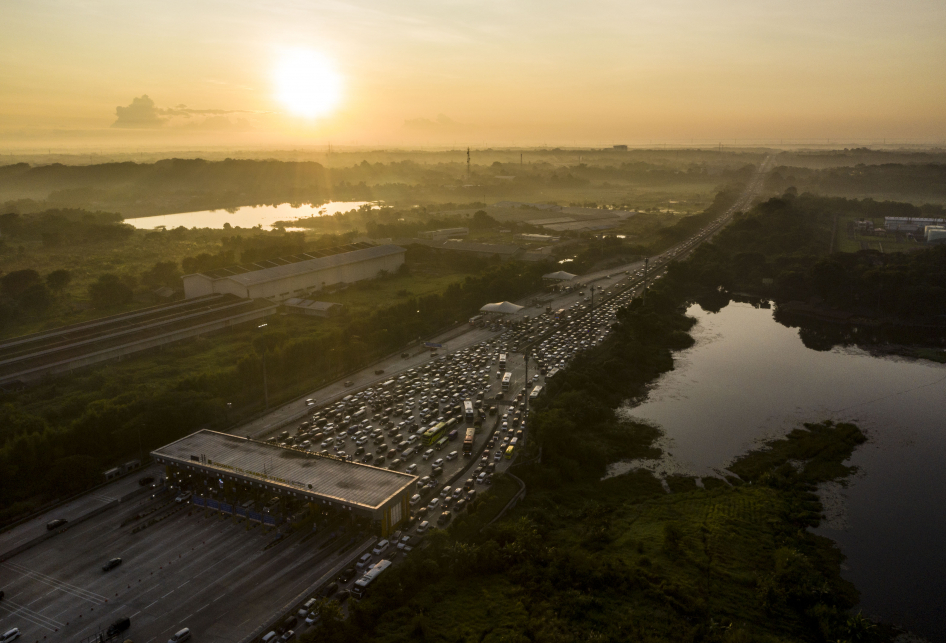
489	73
348	321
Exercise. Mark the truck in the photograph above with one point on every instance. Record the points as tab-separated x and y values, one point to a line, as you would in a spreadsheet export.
362	584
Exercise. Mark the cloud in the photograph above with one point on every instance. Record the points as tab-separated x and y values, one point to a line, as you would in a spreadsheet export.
141	114
442	123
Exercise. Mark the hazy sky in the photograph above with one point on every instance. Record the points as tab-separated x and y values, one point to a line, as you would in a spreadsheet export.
501	72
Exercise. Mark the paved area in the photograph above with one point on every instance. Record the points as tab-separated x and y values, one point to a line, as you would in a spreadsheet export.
193	569
73	509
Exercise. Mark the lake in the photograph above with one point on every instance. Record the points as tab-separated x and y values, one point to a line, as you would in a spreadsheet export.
749	378
245	217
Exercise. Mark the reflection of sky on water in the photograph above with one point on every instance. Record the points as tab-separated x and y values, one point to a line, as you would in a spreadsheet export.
246	217
749	378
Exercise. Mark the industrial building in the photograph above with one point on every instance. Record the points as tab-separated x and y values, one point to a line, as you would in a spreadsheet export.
446	233
313	308
287	277
536	238
380	495
935	234
910	224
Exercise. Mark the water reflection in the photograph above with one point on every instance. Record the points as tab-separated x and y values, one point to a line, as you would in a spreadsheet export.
749	378
245	217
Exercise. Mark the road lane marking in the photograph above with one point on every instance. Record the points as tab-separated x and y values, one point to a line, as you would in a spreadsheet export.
30	615
68	588
168	594
151	604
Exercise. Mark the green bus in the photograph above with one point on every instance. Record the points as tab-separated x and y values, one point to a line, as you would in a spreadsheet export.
441	443
434	433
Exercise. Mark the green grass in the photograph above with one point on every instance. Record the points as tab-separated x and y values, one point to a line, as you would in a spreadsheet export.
365	296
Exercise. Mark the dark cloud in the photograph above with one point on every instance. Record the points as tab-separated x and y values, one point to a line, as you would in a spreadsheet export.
442	123
141	114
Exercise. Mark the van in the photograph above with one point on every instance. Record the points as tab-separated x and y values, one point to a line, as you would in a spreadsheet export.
308	605
269	637
10	635
363	563
380	548
180	636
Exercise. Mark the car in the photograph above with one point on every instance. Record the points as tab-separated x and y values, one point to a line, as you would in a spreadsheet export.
428	454
411	468
310	402
434	503
180	636
452	455
183	497
349	383
379	371
142	482
423	527
379	460
312	617
118	626
403	542
329	589
405	355
112	564
436	471
380	548
10	635
307	607
54	524
498	456
437	463
415	499
444	518
288	634
346	575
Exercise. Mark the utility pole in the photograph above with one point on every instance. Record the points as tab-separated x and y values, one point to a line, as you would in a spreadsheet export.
467	163
265	386
592	300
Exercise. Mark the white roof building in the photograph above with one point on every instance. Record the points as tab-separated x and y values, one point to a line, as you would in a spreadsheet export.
295	276
502	308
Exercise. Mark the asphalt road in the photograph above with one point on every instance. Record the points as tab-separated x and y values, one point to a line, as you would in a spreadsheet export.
194	569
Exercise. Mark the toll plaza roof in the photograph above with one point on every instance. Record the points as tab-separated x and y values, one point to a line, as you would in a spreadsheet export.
317	476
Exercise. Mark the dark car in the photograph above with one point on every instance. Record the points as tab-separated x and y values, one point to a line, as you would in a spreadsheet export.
329	589
346	575
55	524
289	623
379	460
341	596
112	564
349	383
405	355
145	481
379	371
118	626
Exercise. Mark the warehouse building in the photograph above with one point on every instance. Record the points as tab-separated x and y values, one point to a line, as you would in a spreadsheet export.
910	224
380	495
446	233
286	277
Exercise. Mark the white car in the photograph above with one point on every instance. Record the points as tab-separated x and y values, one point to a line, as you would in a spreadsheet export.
10	635
423	527
437	463
415	499
434	503
312	617
380	548
428	454
452	455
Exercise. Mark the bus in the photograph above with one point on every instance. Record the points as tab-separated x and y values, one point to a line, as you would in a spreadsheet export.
441	443
434	433
552	373
468	442
535	392
509	451
361	585
502	361
468	410
507	378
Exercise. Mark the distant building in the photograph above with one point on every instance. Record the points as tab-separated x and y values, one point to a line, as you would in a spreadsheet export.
620	148
935	234
314	308
502	250
446	233
287	277
910	224
536	238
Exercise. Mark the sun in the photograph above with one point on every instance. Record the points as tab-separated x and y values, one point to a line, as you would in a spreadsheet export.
307	83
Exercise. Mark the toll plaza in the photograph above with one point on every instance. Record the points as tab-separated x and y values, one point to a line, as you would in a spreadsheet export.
223	469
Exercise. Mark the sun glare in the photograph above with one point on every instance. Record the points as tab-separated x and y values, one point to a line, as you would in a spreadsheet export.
307	83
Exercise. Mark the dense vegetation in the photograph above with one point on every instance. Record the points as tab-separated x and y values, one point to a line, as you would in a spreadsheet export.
921	183
586	557
787	239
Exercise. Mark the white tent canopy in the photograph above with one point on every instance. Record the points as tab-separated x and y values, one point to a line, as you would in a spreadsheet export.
502	308
561	275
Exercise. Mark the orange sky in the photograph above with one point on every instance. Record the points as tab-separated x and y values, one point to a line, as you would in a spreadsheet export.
463	72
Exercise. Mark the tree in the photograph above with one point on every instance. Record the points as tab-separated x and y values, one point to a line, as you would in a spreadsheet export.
36	298
16	282
108	290
163	273
57	280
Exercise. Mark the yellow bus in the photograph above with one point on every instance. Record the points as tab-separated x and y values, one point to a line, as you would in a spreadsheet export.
509	451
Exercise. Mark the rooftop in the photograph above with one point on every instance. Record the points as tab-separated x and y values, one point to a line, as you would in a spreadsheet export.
300	264
297	470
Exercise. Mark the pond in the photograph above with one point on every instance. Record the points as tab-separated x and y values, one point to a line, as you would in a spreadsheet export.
245	217
749	378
